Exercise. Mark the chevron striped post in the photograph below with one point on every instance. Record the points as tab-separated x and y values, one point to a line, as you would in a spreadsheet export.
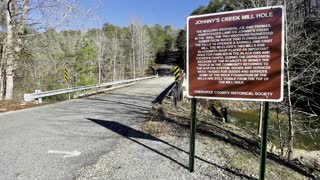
177	73
66	75
66	78
177	79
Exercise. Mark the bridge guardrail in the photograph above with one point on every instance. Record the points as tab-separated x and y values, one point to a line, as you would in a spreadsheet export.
39	95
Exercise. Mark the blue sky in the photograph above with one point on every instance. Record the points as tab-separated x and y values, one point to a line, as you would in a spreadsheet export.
150	12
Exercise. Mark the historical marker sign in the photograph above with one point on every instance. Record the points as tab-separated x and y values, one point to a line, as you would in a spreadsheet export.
236	55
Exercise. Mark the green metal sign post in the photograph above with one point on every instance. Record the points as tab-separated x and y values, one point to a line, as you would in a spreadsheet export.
263	147
192	133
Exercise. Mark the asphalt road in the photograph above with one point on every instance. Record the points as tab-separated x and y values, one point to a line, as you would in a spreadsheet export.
27	136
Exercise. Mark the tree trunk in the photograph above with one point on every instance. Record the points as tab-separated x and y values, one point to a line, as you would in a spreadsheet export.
100	55
9	50
122	65
317	8
13	43
1	85
22	26
116	56
2	72
289	103
133	51
290	119
114	65
281	143
140	51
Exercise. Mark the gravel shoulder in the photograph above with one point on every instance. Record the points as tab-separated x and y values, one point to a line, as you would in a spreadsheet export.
158	149
150	159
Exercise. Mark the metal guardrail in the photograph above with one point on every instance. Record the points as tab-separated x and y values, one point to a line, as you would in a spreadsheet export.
97	87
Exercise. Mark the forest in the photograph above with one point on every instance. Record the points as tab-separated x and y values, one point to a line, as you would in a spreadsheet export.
36	60
34	55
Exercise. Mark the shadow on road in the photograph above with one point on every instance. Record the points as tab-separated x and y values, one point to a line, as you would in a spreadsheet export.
131	133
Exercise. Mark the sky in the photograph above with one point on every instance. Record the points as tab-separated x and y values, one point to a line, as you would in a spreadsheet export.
148	12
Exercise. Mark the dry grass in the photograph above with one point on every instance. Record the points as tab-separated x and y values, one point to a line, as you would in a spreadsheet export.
165	119
6	106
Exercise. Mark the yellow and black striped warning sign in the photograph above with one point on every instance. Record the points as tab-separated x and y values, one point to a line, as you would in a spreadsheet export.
177	73
66	75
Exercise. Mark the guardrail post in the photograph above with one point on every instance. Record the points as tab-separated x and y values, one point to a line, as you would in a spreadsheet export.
69	94
39	100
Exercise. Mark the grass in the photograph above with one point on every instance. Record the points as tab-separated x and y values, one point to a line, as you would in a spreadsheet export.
247	163
273	170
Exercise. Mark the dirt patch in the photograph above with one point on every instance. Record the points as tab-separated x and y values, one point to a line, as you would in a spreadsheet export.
6	106
160	129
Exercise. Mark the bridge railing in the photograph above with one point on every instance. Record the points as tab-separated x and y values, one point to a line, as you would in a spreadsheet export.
95	88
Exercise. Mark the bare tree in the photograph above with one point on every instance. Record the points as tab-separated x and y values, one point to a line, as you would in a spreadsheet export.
141	47
16	26
13	43
301	66
133	35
